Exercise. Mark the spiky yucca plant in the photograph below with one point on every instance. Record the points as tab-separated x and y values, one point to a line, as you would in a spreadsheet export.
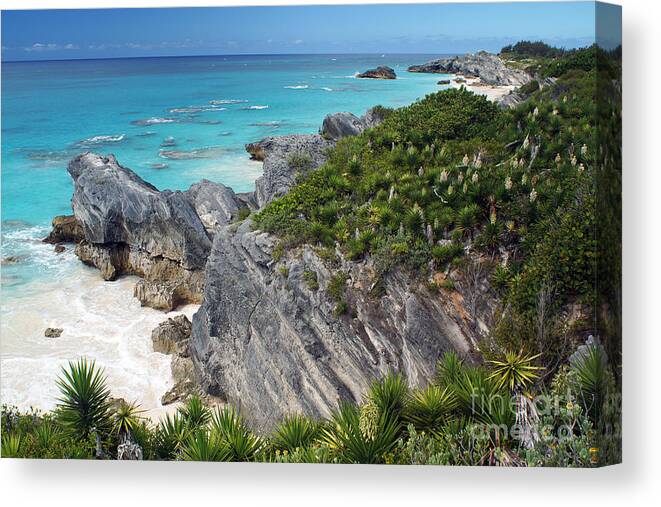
430	408
389	395
203	445
84	398
171	435
294	432
514	370
12	444
243	444
344	436
448	369
196	414
591	370
126	418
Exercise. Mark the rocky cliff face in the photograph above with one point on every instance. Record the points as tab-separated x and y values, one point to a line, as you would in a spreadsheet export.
287	157
488	67
273	335
284	158
270	339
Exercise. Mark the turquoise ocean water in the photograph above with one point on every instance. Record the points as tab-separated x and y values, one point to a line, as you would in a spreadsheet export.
172	120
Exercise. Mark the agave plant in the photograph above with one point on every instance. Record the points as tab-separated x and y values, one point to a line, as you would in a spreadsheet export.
430	408
195	413
295	432
345	437
84	402
204	445
230	427
514	370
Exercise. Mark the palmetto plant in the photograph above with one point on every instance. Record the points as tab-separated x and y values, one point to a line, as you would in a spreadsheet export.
295	431
430	408
229	426
514	370
344	436
204	445
84	398
195	413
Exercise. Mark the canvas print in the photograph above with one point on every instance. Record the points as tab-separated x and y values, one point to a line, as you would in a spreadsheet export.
378	234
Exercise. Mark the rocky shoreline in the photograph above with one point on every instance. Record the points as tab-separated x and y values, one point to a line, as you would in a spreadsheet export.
482	73
268	337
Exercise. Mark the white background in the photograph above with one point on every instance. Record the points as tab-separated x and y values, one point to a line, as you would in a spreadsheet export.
636	482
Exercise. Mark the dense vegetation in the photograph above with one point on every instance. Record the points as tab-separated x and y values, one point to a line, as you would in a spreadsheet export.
453	179
467	415
528	49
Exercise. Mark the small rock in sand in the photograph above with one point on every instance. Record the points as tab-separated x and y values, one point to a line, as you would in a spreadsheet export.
53	332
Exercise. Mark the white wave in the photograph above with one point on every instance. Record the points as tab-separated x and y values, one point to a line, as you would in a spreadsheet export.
297	87
227	101
153	121
101	140
196	109
256	107
326	88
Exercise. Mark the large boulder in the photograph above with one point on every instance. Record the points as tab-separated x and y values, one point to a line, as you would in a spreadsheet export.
114	205
271	342
214	203
130	227
381	72
339	125
490	68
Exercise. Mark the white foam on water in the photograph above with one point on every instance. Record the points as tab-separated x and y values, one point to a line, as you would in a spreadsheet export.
100	321
297	87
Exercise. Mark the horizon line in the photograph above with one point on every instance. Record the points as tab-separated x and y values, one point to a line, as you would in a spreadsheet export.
229	54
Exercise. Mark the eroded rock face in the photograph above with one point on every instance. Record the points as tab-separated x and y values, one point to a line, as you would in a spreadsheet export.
381	72
130	227
488	67
171	336
272	343
66	229
284	158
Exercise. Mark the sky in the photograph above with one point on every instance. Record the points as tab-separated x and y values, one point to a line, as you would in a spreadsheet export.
406	28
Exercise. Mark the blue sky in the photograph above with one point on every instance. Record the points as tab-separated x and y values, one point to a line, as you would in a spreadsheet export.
406	28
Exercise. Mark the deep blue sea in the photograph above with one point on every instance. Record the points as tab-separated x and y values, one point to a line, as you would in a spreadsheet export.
172	120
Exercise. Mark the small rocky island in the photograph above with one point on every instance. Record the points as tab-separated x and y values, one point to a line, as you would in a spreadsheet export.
381	72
